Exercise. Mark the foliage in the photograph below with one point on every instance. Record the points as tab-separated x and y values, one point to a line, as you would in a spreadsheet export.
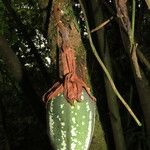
18	116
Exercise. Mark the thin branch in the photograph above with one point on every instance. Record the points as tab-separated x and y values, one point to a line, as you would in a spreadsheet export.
105	69
102	25
140	55
131	32
143	59
148	3
135	61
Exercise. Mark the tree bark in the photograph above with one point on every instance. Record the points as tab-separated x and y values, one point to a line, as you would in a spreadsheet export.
11	60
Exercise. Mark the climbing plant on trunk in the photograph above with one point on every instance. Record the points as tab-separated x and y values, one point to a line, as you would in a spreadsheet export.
69	102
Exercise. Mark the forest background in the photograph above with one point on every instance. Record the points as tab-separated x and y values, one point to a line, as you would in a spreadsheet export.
28	67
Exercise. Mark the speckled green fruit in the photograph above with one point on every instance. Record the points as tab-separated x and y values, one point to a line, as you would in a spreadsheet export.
71	127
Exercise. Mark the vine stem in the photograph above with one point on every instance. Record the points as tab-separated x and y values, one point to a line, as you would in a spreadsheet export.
131	32
105	69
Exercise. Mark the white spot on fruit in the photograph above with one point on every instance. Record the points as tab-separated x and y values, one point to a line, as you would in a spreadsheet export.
51	106
83	123
87	107
73	132
73	146
73	120
58	117
62	124
51	124
78	107
74	139
83	117
77	125
89	131
63	144
79	143
61	106
62	112
63	134
82	97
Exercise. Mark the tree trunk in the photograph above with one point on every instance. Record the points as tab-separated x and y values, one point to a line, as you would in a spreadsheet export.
11	60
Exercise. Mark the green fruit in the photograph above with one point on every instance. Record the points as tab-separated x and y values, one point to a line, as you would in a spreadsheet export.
71	127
